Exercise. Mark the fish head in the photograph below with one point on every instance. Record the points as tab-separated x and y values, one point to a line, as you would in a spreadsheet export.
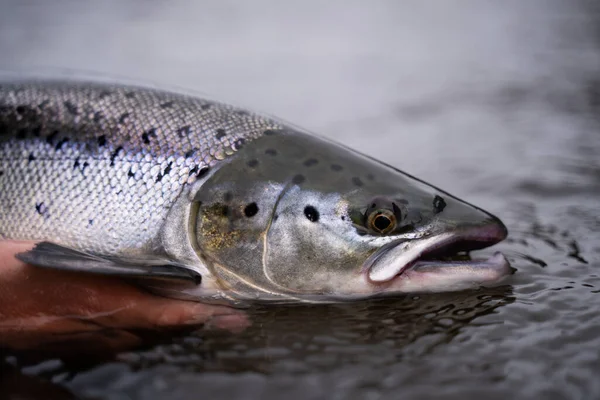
295	216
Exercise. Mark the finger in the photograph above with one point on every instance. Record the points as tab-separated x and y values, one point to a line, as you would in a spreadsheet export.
156	312
38	293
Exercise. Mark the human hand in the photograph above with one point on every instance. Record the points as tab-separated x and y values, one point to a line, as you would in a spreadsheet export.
41	307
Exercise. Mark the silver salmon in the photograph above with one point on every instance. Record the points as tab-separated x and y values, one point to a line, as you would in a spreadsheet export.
196	199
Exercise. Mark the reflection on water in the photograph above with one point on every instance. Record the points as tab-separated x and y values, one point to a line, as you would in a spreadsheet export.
325	336
497	102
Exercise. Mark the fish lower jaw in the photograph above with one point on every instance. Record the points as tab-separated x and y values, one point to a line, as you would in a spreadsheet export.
393	259
442	276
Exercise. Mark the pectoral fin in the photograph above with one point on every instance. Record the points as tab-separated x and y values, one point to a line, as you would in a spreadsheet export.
50	255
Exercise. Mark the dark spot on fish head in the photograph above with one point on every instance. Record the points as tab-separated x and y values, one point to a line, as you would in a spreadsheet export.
228	197
251	210
298	179
220	133
438	204
252	163
336	167
311	213
357	181
205	106
371	177
271	152
310	162
101	140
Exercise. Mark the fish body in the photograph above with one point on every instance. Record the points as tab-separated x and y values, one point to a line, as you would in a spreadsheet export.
198	199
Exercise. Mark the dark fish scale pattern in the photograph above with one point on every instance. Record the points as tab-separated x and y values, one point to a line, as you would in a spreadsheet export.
115	155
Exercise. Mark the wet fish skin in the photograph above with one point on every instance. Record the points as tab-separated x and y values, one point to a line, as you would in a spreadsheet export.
200	200
97	167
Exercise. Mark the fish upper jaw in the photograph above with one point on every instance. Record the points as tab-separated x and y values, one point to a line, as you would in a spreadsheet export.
395	258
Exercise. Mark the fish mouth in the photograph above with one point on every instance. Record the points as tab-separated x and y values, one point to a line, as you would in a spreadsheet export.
438	253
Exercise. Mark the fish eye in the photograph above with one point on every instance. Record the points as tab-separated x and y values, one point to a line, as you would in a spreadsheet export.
382	221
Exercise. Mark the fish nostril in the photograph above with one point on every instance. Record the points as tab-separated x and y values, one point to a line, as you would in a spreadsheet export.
438	204
397	212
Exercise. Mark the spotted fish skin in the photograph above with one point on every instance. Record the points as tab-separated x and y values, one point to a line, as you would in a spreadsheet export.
97	167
